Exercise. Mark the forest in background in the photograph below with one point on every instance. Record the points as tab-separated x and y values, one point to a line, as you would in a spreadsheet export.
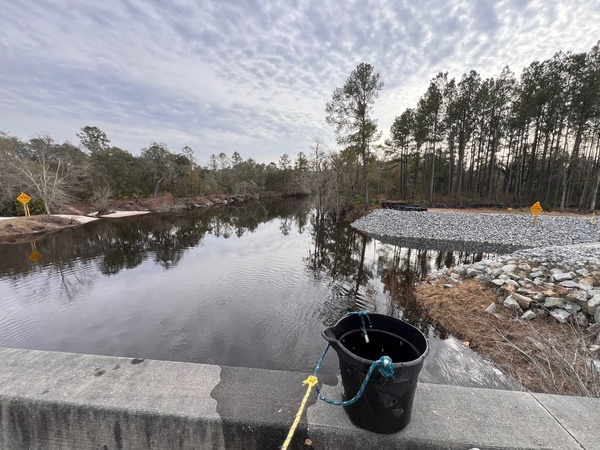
502	141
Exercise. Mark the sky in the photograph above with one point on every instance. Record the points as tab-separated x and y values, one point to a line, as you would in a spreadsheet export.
252	76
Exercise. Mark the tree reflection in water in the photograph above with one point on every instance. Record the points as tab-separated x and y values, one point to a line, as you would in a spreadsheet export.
337	255
126	243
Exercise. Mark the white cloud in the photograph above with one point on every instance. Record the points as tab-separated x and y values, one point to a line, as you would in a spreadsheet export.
252	76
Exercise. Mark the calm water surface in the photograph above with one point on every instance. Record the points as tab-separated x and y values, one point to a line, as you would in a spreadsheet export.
248	287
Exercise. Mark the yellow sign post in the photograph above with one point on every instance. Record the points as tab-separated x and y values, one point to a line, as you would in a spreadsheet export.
24	198
536	209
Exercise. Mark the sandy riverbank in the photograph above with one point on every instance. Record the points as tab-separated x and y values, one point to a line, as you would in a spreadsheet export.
16	230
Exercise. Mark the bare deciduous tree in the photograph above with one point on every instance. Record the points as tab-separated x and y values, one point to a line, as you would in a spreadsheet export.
43	171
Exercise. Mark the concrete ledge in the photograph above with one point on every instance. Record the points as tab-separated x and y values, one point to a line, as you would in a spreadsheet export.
52	400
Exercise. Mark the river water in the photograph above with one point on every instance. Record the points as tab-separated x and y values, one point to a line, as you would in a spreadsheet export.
251	287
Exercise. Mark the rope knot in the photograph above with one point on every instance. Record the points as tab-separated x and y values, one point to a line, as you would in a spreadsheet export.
311	381
385	365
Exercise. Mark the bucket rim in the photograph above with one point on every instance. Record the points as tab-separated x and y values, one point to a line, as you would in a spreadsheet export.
365	361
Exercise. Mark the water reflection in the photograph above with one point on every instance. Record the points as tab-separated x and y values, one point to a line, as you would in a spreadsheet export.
250	286
126	243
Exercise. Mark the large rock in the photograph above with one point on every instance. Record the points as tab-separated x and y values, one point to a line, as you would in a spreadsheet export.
509	268
528	315
461	270
561	315
560	290
498	282
513	283
572	307
592	305
554	302
536	274
497	273
569	284
524	302
579	297
511	303
479	266
513	276
586	284
541	313
491	309
483	278
472	273
561	276
526	291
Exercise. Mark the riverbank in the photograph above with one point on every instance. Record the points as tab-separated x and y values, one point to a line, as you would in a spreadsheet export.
533	312
16	230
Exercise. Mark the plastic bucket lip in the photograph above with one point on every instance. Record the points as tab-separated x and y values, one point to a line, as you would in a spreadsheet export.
339	346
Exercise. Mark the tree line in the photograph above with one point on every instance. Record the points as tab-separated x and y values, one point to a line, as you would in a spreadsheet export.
56	173
503	141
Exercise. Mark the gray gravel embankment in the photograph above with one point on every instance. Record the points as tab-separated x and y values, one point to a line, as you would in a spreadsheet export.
554	266
494	231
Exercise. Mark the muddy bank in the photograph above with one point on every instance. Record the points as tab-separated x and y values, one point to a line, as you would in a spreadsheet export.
25	229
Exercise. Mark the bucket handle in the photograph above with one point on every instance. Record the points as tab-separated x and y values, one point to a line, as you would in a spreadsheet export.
384	364
363	327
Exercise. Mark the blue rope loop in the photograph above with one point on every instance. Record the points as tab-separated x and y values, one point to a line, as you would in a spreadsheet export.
384	364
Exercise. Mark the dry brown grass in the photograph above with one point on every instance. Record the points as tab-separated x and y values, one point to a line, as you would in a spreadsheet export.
543	355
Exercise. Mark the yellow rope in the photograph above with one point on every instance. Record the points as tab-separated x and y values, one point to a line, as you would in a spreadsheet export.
311	381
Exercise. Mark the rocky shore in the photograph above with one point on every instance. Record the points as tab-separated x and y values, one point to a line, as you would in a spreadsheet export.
552	267
542	290
563	282
560	276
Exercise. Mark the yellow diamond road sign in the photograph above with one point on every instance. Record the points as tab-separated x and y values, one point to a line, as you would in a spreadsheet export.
24	198
536	208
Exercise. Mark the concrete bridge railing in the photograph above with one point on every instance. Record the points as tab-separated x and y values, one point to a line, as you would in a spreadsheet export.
52	400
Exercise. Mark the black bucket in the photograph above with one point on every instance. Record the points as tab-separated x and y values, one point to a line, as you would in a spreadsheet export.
386	404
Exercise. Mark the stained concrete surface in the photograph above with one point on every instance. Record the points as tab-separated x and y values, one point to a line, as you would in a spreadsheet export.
53	400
